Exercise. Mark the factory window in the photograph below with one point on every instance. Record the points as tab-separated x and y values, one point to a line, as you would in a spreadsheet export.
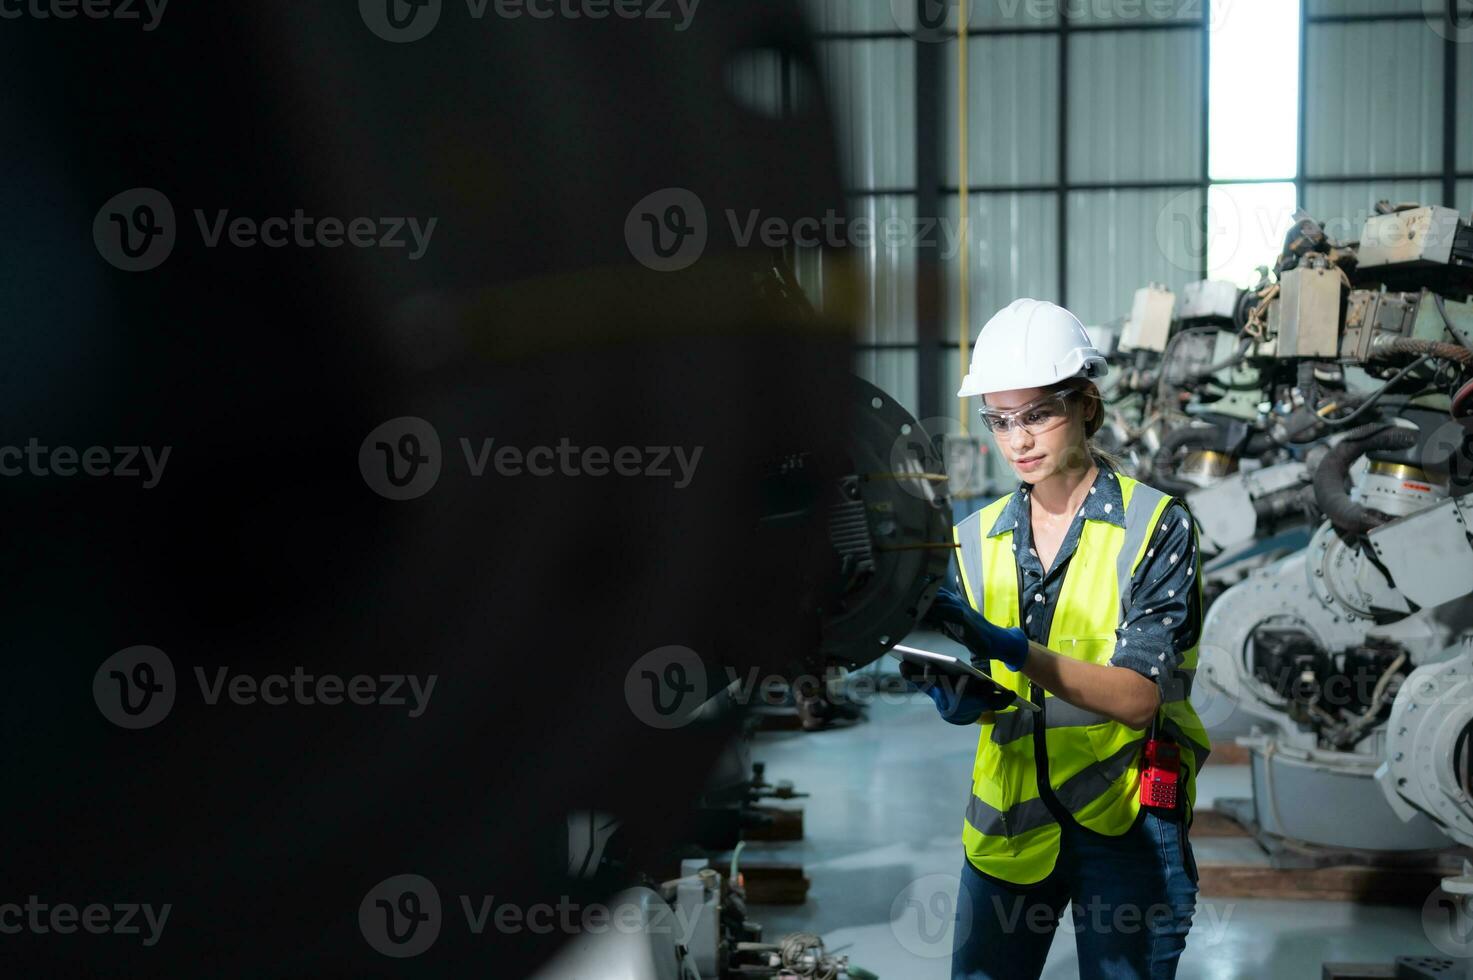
1253	135
1245	228
1254	90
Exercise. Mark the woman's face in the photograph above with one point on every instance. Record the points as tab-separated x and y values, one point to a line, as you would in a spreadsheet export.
1057	448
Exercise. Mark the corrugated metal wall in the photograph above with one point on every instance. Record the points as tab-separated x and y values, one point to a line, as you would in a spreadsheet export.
872	91
847	16
889	293
1121	240
870	85
1135	103
1357	7
1465	108
1013	253
1374	109
1135	106
1128	13
1013	111
1374	96
1373	92
1135	114
756	81
1135	111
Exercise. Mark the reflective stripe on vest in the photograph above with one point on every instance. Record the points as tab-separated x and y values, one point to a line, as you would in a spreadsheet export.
1094	762
1061	714
1076	792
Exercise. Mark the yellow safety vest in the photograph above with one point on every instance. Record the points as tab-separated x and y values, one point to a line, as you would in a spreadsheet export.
1093	763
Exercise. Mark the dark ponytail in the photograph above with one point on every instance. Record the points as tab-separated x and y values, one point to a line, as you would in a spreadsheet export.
1090	395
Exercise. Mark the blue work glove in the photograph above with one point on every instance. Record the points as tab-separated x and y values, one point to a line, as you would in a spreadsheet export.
960	700
951	614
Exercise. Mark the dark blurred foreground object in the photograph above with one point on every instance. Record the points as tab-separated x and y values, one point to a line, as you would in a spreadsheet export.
277	834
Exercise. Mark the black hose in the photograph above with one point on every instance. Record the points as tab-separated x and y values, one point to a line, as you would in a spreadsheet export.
1164	376
1362	403
1163	465
1456	353
1420	349
1289	500
1309	385
1232	360
1258	444
1330	493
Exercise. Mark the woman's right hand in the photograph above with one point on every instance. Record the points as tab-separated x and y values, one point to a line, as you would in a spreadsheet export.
951	614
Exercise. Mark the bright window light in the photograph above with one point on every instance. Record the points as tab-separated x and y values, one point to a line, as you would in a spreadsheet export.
1246	225
1254	90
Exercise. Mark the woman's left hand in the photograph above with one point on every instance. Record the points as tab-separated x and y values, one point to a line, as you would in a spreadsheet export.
951	614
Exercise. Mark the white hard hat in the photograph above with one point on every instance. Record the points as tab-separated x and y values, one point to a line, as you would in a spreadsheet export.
1031	344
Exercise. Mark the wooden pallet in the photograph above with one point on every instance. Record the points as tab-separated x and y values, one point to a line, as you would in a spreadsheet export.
775	884
1405	968
787	824
1404	880
1210	823
1228	754
777	719
1357	971
1351	883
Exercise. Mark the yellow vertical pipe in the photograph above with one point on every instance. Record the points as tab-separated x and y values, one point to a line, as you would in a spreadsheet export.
964	301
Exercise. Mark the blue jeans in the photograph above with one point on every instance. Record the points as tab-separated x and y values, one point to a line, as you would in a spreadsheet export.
1132	897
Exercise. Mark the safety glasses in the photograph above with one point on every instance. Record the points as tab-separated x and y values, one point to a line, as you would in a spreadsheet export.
1038	416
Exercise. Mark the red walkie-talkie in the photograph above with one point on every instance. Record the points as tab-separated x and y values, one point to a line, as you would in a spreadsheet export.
1161	773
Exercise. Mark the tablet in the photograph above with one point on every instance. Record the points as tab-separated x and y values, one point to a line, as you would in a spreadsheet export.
945	664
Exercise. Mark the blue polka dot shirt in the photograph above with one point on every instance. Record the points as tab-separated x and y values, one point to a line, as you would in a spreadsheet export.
1165	615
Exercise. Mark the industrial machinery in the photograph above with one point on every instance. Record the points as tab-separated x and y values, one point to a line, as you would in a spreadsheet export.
1230	397
889	521
1186	411
690	926
890	525
693	927
1320	428
1335	395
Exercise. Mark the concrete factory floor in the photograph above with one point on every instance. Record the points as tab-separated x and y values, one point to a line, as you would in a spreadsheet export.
883	831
